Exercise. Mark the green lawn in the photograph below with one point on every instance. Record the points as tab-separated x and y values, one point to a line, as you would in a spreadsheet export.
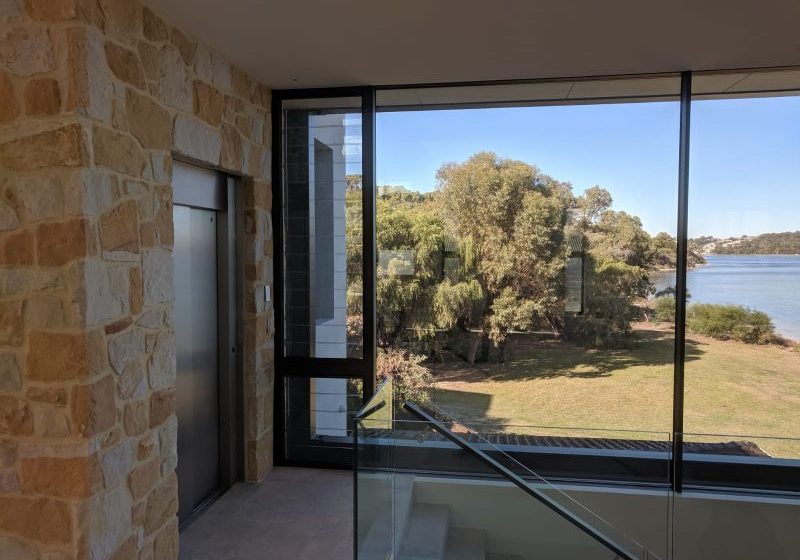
731	388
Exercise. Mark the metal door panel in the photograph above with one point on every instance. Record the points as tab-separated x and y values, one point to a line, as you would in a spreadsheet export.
197	384
205	363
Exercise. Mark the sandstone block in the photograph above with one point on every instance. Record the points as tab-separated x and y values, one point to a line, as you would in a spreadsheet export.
9	107
150	123
164	216
56	356
123	19
26	50
104	292
41	196
165	546
162	366
119	228
89	86
116	151
49	422
18	281
220	72
136	417
231	156
54	396
8	453
109	522
143	478
118	462
94	407
125	65
162	504
17	248
158	277
11	323
174	84
63	477
240	83
125	348
162	406
10	379
9	9
162	167
202	63
153	27
8	216
15	416
150	56
185	46
40	519
59	243
208	103
127	551
17	550
131	380
64	146
260	95
137	290
196	139
42	97
9	482
148	446
51	10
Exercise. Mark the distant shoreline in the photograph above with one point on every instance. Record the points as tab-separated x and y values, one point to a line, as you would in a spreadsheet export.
750	254
786	326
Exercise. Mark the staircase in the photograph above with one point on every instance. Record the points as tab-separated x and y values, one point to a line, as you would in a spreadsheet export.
424	532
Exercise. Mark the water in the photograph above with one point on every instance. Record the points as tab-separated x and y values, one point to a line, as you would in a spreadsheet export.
768	283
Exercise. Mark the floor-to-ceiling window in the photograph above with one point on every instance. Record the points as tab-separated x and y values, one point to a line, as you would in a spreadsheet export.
324	365
742	372
523	242
527	244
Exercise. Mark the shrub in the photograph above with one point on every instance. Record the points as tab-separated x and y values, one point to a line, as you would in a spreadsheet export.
664	309
612	287
731	322
410	378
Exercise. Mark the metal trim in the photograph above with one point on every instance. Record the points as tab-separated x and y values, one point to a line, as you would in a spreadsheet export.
198	187
680	283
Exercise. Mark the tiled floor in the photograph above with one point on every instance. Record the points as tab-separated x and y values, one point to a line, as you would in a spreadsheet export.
295	514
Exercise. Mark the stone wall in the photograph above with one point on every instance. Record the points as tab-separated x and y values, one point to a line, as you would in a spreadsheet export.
96	98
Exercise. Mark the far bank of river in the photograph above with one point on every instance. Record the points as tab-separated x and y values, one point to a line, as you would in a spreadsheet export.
768	283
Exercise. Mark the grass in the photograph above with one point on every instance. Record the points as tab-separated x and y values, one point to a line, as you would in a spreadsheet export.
732	389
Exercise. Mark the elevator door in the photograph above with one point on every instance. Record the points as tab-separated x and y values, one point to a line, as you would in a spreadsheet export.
198	383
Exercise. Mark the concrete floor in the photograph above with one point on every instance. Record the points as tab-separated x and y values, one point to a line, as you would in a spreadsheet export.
294	514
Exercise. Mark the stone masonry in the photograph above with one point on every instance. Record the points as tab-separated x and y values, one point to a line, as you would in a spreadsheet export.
96	99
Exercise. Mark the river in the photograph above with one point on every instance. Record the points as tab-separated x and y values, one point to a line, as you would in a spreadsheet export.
768	283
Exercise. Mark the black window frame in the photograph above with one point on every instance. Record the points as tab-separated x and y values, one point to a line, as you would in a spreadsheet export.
321	454
687	471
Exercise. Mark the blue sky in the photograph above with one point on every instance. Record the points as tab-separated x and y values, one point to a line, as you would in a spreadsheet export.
744	171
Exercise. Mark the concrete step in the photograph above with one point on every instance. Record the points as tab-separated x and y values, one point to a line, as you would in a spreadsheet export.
426	533
504	557
466	544
393	515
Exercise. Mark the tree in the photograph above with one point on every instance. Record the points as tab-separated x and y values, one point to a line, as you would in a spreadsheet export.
591	205
513	217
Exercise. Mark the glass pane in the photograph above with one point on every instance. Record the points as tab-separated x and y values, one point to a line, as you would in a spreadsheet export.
733	525
375	477
318	417
322	233
462	508
526	257
742	381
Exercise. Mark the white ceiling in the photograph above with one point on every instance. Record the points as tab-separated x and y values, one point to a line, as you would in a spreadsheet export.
320	43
